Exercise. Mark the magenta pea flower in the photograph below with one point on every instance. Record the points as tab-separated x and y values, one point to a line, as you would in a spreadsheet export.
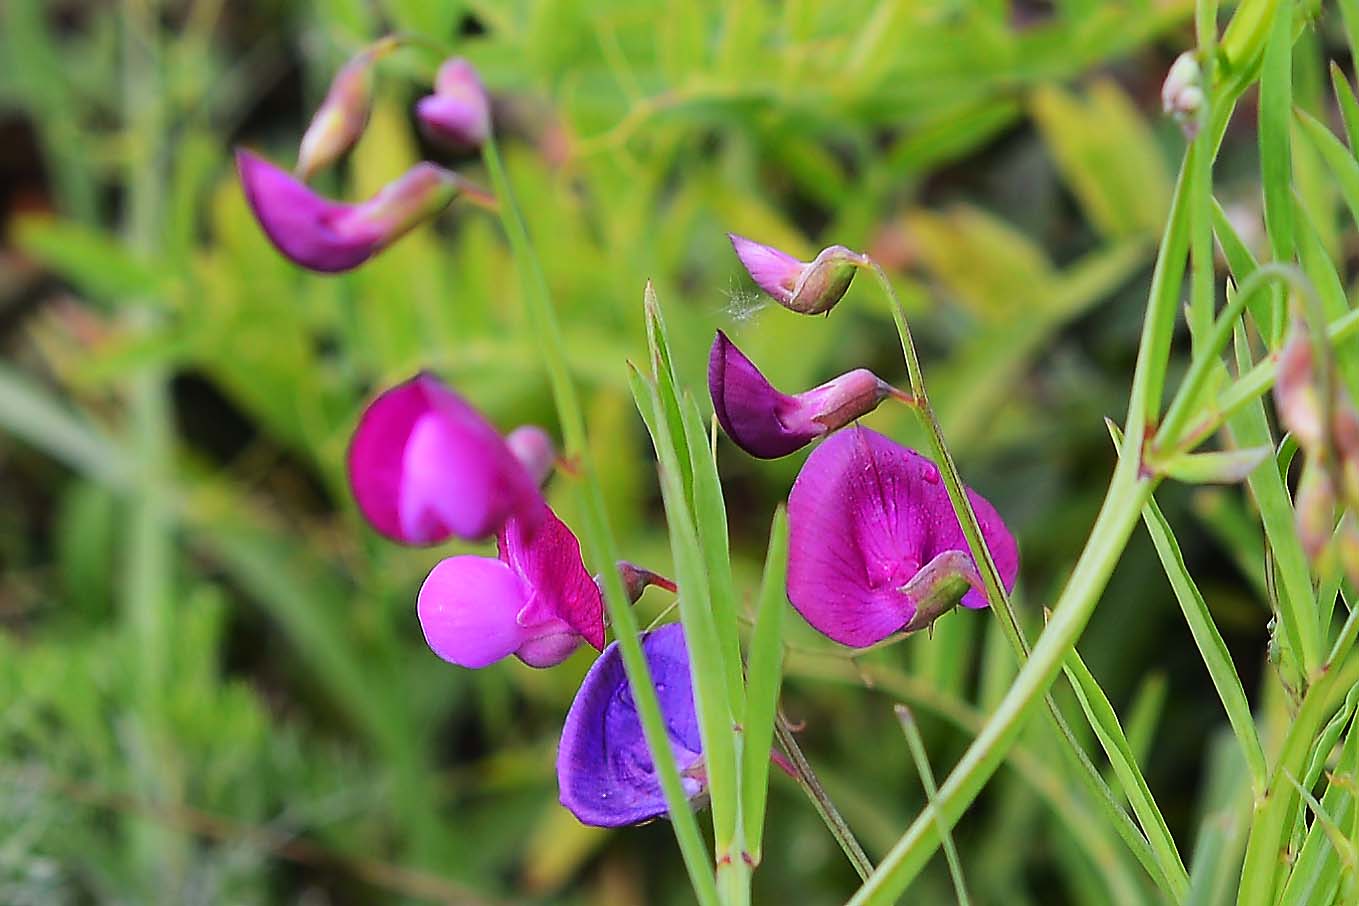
535	601
767	423
425	466
605	774
874	545
458	113
806	287
330	236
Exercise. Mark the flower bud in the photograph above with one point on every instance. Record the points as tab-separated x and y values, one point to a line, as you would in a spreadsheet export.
768	424
534	449
329	236
458	113
1182	92
341	118
1296	394
1314	509
605	773
637	579
808	288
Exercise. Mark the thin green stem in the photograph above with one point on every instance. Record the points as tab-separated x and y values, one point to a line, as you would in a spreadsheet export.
1162	862
922	766
597	534
807	778
1170	435
1129	489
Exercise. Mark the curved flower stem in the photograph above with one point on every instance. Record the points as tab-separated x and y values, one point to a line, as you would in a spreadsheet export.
1158	854
596	533
1129	489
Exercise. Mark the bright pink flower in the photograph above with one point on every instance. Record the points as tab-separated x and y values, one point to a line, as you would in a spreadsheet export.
536	601
425	466
874	545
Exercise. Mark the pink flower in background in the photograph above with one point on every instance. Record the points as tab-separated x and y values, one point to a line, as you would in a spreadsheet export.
767	423
425	466
342	116
874	545
458	113
806	287
330	236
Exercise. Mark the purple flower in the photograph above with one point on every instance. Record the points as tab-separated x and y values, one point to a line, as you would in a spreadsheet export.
329	236
874	546
807	287
605	773
458	113
768	424
536	601
425	466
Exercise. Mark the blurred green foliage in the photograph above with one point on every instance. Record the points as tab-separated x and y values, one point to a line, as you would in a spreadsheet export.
215	688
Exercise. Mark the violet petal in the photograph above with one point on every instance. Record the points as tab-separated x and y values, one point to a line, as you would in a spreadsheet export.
605	773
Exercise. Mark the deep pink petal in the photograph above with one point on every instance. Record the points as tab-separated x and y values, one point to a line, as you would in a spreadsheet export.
425	466
865	515
775	272
545	554
468	607
748	407
300	223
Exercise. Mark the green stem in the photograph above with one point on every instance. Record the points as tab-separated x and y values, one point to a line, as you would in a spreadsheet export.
1156	852
596	533
1170	435
1129	490
809	782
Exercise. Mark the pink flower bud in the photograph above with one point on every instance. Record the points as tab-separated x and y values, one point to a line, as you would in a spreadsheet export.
1314	509
1182	92
329	236
534	449
806	287
458	113
341	118
1296	395
767	423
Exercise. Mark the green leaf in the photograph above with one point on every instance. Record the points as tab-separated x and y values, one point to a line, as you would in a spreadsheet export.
764	676
1104	720
1217	467
1107	155
91	260
1276	165
1338	159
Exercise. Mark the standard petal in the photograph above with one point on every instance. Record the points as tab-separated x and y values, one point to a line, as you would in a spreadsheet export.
424	466
748	407
775	272
545	554
467	608
865	515
459	112
605	773
300	223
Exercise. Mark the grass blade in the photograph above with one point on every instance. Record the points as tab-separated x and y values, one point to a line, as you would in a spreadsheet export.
764	675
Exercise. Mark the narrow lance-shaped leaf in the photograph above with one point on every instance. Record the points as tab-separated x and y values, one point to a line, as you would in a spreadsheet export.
764	675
